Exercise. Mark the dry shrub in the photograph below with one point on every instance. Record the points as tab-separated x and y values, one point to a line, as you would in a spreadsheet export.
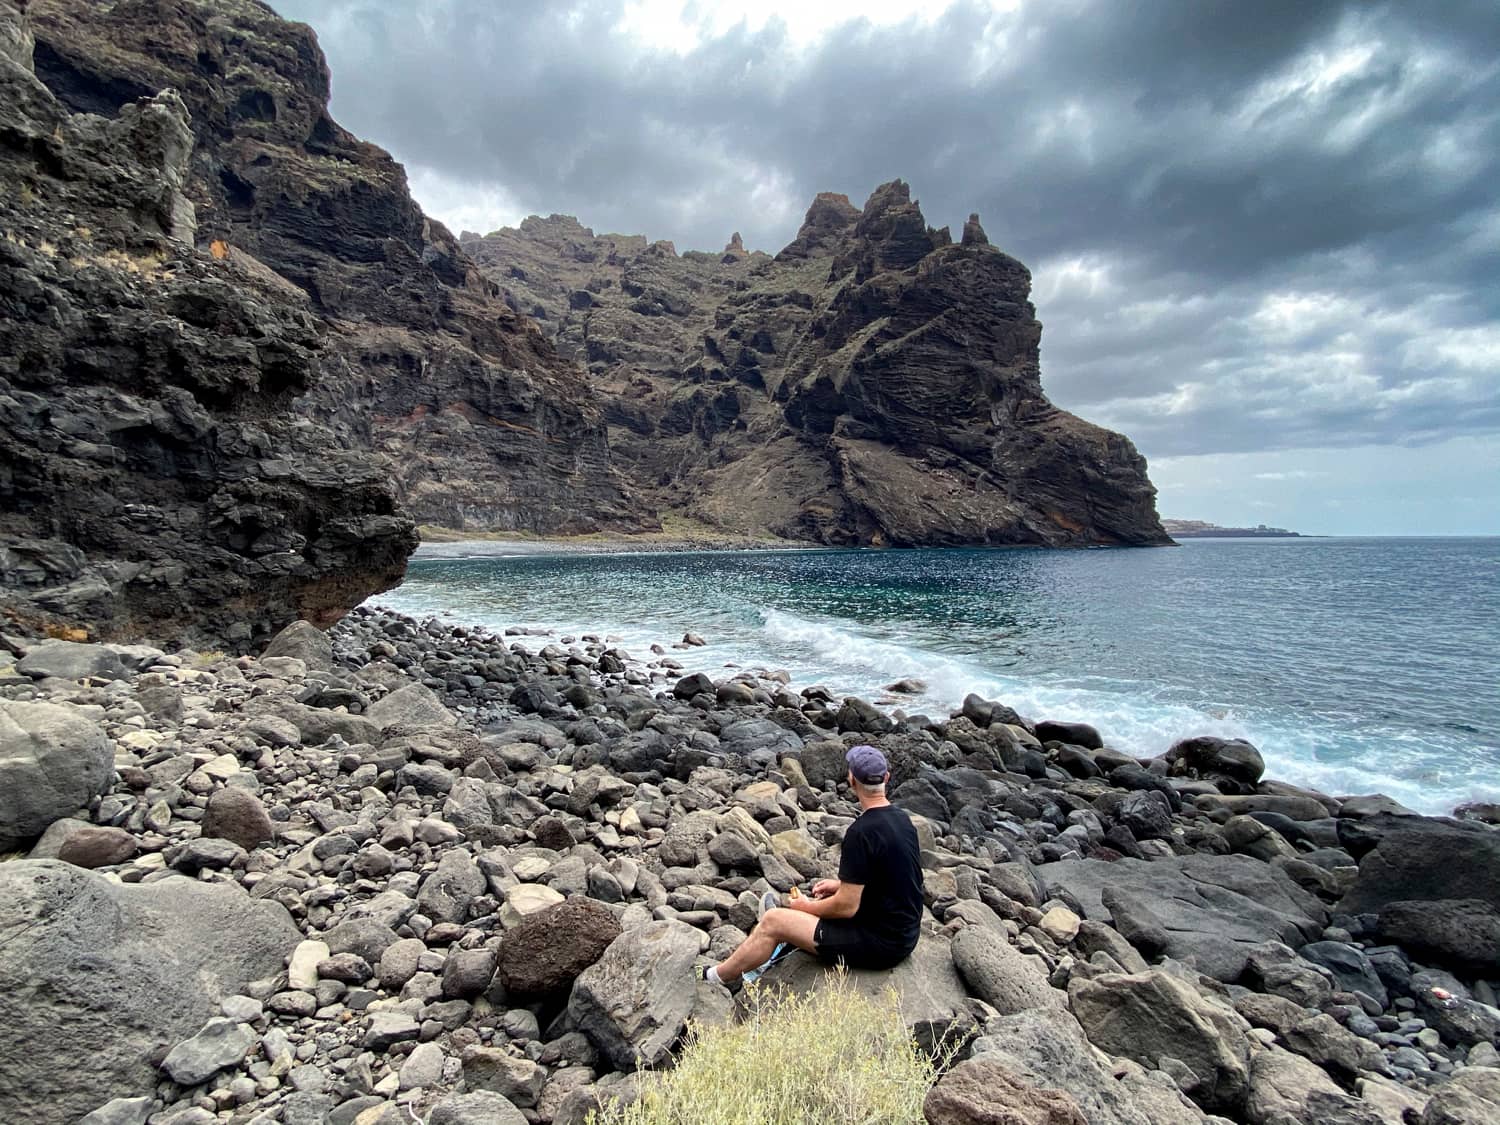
835	1057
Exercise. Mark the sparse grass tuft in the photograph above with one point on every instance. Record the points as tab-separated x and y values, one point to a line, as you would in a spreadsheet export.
206	659
142	265
835	1057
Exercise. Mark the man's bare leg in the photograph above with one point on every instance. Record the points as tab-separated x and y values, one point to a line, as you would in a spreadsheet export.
777	925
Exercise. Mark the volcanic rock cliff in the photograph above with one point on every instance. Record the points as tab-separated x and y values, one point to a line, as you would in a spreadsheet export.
874	383
154	477
485	425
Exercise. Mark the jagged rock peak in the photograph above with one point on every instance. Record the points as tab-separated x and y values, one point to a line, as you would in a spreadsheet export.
563	224
891	233
974	233
736	244
830	217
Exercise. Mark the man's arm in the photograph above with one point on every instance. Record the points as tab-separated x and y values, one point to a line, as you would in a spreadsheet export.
843	903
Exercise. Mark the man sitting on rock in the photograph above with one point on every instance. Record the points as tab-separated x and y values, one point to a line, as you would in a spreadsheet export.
868	917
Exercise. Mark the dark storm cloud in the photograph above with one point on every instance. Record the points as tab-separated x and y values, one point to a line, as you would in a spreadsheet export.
1253	226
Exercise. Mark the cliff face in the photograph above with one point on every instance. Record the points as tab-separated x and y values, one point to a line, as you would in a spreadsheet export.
873	383
155	479
485	425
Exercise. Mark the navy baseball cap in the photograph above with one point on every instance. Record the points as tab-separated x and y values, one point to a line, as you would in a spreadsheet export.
867	764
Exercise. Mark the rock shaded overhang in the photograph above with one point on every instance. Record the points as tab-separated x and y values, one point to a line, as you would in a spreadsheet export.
485	425
156	479
873	383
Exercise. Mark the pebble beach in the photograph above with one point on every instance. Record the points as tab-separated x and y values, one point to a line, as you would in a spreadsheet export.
470	874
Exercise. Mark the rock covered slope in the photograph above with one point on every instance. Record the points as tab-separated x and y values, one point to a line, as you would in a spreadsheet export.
155	478
485	425
462	877
874	383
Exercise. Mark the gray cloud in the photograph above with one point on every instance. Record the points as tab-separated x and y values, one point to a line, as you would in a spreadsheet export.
1253	226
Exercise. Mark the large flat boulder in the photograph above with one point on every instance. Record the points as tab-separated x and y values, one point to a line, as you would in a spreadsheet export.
1461	933
96	975
927	983
1213	909
984	1092
414	705
635	1001
53	761
1047	1048
1153	1017
69	660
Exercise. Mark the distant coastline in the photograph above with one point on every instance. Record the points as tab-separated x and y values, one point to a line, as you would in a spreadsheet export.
1201	529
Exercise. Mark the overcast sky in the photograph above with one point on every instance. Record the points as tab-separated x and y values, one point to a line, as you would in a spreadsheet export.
1265	236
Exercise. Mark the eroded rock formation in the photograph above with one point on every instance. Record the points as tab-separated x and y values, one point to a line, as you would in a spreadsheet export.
485	425
154	476
873	383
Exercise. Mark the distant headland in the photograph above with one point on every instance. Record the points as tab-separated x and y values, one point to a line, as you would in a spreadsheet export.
1201	529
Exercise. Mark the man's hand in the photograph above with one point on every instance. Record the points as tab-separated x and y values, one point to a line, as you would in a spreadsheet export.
825	888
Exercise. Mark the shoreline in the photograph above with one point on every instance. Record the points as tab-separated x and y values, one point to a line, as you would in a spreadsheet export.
849	647
438	542
430	818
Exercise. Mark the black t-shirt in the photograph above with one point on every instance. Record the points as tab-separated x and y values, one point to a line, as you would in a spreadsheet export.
881	853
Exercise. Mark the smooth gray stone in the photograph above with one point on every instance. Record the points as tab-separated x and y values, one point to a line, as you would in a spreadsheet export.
120	1111
222	1043
479	1108
53	761
95	975
68	660
1213	909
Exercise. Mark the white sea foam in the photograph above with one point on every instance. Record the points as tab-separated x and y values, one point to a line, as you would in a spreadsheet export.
1131	715
1329	752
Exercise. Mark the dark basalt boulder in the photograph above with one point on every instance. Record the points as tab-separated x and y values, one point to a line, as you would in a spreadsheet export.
1232	764
547	951
1423	859
1462	933
1074	734
874	383
158	478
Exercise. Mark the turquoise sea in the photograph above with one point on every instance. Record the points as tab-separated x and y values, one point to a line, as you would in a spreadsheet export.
1356	665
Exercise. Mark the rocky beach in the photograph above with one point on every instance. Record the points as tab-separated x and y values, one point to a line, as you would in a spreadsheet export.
412	870
271	854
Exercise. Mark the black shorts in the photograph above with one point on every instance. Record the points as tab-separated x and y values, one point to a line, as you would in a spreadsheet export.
840	940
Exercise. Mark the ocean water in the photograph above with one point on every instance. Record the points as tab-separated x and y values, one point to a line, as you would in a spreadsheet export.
1355	665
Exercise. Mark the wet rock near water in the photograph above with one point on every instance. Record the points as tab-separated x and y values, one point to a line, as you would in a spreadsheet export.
488	868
